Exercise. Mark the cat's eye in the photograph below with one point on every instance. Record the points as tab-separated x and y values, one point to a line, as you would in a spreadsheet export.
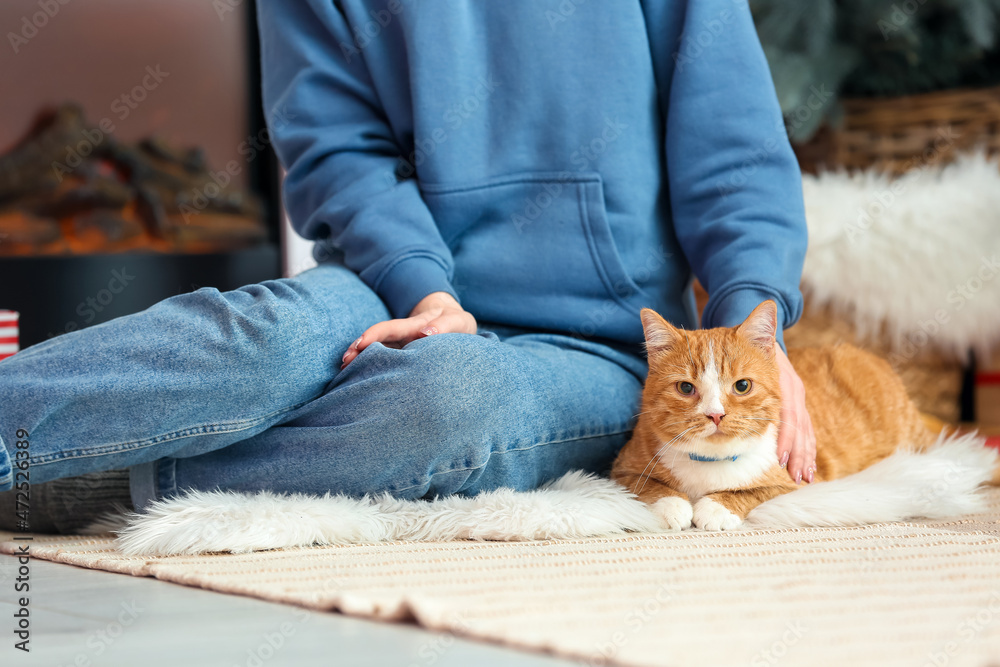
742	386
685	388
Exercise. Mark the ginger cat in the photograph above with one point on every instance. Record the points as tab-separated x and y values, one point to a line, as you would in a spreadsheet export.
704	449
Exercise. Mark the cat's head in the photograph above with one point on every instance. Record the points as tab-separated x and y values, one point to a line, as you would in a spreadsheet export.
713	392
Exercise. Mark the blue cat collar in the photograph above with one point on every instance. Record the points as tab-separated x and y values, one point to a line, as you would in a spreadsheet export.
709	459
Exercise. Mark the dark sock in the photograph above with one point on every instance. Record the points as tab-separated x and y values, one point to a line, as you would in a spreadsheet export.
67	506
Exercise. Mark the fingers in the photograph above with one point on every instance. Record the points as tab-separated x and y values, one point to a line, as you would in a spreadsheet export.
810	450
798	449
400	332
790	454
392	331
796	438
797	465
455	321
805	466
352	353
785	442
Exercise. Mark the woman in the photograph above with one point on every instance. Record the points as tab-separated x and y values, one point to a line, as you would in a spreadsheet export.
496	189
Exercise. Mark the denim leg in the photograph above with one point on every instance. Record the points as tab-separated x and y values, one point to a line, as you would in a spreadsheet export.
451	413
191	374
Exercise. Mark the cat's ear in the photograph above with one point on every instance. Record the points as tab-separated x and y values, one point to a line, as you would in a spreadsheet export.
660	334
761	326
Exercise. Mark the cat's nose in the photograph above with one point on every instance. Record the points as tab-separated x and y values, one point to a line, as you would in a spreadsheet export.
716	416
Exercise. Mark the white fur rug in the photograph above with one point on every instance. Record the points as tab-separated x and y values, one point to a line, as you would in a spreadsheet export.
919	255
943	482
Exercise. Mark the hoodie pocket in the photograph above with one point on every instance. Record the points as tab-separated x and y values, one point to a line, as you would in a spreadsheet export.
534	250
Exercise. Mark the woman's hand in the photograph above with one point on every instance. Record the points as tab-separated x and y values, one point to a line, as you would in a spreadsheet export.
796	439
436	313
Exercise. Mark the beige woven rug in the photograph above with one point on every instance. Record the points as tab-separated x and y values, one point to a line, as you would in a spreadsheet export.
924	593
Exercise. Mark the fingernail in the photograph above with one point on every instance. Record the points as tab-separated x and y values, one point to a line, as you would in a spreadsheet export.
784	459
798	478
344	358
356	343
809	475
429	331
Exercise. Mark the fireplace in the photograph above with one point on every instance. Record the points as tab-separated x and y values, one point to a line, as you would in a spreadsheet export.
134	162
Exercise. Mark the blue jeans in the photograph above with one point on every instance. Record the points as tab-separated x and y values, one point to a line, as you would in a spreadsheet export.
242	390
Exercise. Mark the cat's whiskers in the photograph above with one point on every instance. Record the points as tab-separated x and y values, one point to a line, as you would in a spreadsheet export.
682	421
659	454
652	460
677	453
744	432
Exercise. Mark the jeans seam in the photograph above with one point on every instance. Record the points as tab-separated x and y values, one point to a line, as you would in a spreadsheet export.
512	449
204	429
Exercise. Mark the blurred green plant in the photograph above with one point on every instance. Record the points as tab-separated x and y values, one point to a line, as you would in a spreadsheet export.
875	48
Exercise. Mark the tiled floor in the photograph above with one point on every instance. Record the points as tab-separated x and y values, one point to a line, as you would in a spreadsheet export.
87	618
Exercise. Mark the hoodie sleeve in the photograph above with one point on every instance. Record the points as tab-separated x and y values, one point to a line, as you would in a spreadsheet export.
735	185
335	143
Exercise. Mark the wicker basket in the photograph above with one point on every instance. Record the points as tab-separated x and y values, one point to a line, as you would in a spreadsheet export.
900	133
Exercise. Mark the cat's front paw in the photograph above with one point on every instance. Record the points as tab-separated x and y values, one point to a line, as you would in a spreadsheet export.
710	515
675	511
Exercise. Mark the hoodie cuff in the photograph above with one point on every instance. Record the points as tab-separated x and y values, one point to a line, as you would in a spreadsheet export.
734	307
409	280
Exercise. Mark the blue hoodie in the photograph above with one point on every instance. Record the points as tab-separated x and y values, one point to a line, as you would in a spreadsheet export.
554	164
